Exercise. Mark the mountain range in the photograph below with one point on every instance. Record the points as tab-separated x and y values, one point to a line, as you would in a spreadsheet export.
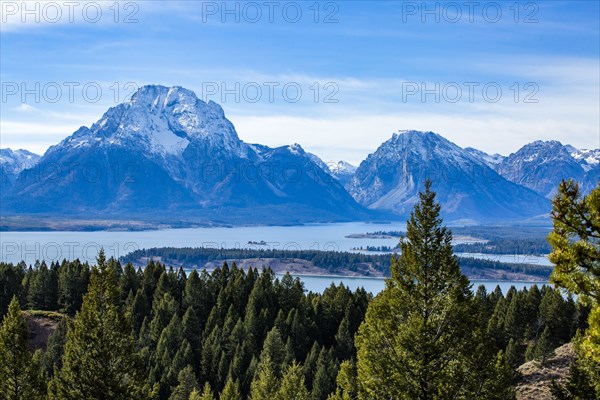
167	154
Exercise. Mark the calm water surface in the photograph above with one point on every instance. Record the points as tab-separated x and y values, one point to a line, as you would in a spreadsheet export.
52	246
375	285
49	246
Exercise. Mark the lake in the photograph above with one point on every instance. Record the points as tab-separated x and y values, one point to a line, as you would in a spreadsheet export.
375	285
53	246
50	246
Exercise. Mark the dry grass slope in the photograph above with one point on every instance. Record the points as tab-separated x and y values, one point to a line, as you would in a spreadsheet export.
536	378
41	324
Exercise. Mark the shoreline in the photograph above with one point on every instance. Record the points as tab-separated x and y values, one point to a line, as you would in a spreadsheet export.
383	278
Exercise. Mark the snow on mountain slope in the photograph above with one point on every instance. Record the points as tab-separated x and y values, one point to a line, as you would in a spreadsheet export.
589	158
161	121
541	165
12	163
168	151
392	176
491	160
18	160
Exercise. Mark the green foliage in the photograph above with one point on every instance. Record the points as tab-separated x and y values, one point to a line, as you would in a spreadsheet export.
11	278
73	279
582	382
265	384
274	350
187	384
43	288
52	358
100	360
292	384
158	328
20	372
325	375
207	393
575	240
418	337
347	382
231	391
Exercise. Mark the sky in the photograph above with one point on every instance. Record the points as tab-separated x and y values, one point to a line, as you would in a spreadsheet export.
337	77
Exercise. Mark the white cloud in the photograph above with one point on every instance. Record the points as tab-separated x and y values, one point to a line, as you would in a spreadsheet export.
24	107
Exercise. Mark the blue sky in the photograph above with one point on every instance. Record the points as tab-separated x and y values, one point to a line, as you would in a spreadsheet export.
354	72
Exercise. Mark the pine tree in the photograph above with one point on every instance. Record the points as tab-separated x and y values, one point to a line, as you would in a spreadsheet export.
292	384
513	356
231	391
265	385
344	340
310	364
580	380
197	294
187	384
100	361
514	321
129	282
12	278
19	371
274	349
347	385
530	351
325	375
207	394
73	279
500	384
192	332
419	333
544	346
575	242
55	348
43	289
139	310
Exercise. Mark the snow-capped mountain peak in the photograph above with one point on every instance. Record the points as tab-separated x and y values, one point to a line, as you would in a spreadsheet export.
591	157
491	160
161	121
342	167
20	158
391	177
541	165
17	160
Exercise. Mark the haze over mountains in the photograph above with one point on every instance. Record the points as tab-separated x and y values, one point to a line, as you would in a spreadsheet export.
166	153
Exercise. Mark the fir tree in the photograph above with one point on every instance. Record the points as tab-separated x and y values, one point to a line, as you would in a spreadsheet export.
344	340
207	393
20	373
274	349
418	334
310	364
325	375
575	242
544	346
231	391
100	361
347	385
513	356
265	385
52	358
292	384
187	384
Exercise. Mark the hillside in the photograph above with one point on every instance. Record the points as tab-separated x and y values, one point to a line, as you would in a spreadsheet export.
536	378
41	325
